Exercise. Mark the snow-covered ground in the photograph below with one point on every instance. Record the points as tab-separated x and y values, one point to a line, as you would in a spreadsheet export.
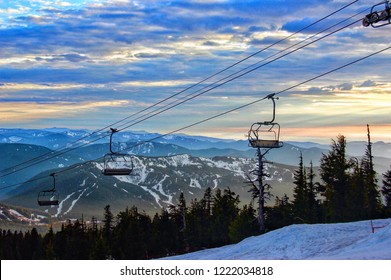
347	241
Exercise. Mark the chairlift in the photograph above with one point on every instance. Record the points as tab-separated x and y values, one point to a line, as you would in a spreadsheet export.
376	15
116	164
265	134
49	197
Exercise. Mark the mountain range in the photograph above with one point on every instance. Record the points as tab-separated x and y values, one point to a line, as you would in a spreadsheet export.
162	170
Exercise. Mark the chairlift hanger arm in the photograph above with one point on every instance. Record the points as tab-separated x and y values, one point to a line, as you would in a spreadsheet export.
272	97
113	130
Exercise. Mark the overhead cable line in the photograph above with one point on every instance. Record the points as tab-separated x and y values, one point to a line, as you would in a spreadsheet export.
239	74
68	148
217	115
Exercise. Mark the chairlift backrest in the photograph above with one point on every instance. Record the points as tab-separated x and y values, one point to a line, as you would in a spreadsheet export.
117	164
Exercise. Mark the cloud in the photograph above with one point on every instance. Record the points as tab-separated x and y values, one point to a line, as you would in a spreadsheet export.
345	86
30	86
91	53
16	112
368	83
71	57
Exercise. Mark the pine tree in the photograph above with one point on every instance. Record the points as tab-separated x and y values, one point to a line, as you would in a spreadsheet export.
244	225
195	225
164	238
108	229
281	214
48	242
131	235
357	193
386	190
198	223
224	211
334	172
372	194
35	245
300	192
311	196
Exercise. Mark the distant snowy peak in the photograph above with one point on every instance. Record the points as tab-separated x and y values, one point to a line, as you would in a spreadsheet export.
155	182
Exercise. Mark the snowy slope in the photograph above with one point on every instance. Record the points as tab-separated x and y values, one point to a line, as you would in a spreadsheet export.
350	241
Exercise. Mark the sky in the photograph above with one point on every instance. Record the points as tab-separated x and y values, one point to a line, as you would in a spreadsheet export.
92	63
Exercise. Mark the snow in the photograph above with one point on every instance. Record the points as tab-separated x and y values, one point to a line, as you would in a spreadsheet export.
74	201
216	183
235	166
159	187
14	139
343	241
155	195
59	209
194	183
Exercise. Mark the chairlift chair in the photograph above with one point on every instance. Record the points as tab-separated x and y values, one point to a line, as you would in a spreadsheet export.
376	16
117	164
265	134
49	197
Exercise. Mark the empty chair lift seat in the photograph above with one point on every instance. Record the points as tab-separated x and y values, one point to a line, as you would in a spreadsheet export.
117	171
265	143
48	198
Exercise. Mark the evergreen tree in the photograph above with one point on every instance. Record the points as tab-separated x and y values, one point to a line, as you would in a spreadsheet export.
357	193
311	196
207	201
244	225
182	209
108	222
334	172
224	211
198	229
281	214
164	237
300	193
131	235
35	246
386	190
60	244
372	194
195	225
178	215
48	241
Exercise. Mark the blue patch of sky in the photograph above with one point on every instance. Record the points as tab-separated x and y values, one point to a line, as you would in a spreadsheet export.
12	10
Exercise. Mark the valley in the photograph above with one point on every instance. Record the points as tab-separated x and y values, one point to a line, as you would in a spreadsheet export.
162	170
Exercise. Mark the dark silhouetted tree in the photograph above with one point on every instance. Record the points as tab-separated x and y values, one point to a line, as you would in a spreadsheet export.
244	225
372	194
386	190
334	172
300	192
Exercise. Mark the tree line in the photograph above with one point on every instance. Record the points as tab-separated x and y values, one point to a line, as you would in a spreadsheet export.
212	221
347	190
